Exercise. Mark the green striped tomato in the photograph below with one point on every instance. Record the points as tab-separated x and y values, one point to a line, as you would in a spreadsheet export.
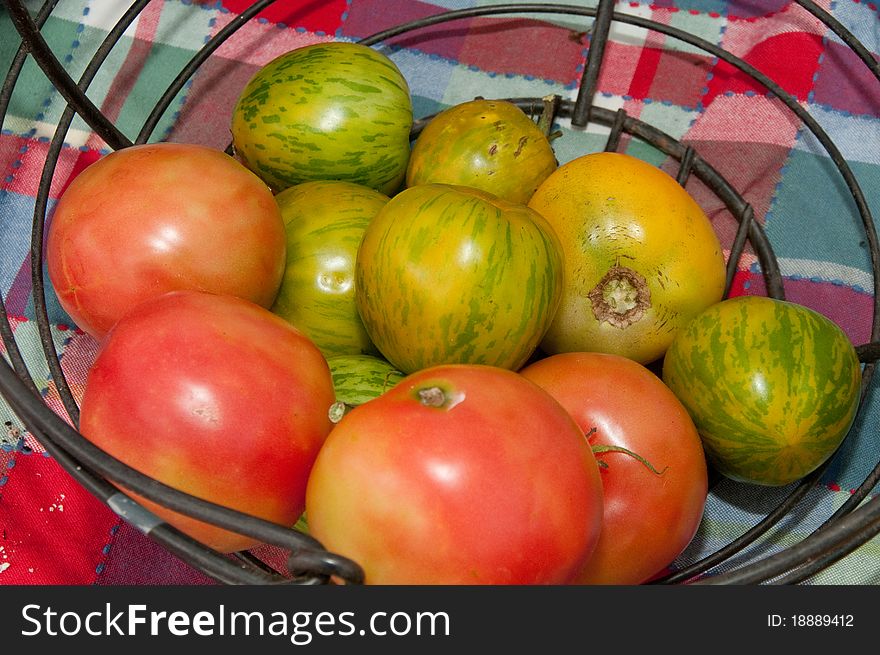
449	274
324	224
327	111
359	378
488	144
772	386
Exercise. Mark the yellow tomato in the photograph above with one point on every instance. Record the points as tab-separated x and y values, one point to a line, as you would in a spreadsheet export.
641	256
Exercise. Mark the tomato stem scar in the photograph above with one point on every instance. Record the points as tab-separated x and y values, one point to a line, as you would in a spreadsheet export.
621	298
432	397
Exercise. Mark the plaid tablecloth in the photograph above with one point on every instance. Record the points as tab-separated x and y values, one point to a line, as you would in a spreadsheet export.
53	532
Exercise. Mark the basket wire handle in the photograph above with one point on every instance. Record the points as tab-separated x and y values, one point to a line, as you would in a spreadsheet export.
616	131
598	38
41	204
686	165
192	66
61	79
739	242
7	338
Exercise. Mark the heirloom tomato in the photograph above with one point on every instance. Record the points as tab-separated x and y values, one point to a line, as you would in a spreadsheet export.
217	397
359	378
772	386
653	498
641	257
487	144
153	218
460	474
449	274
327	111
325	221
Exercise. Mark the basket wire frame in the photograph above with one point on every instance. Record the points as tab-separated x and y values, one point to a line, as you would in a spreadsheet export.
852	525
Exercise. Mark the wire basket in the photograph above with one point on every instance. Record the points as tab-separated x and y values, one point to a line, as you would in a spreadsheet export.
845	529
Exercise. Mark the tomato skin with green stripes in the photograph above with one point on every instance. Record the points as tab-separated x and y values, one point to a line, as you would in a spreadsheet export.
327	111
324	222
772	386
358	379
487	144
453	275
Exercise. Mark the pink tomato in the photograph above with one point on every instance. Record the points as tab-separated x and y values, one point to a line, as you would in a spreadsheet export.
217	397
460	474
161	217
653	505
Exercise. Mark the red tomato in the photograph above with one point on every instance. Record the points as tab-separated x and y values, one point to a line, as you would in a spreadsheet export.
154	218
649	517
460	474
217	397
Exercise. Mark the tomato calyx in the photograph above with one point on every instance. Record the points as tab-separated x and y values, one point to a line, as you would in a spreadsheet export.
621	298
605	448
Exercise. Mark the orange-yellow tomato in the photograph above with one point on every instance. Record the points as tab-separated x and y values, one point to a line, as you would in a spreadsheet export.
641	256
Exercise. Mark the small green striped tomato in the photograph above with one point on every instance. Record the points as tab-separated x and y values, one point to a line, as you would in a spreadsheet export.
449	274
324	223
772	386
487	144
357	379
327	111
